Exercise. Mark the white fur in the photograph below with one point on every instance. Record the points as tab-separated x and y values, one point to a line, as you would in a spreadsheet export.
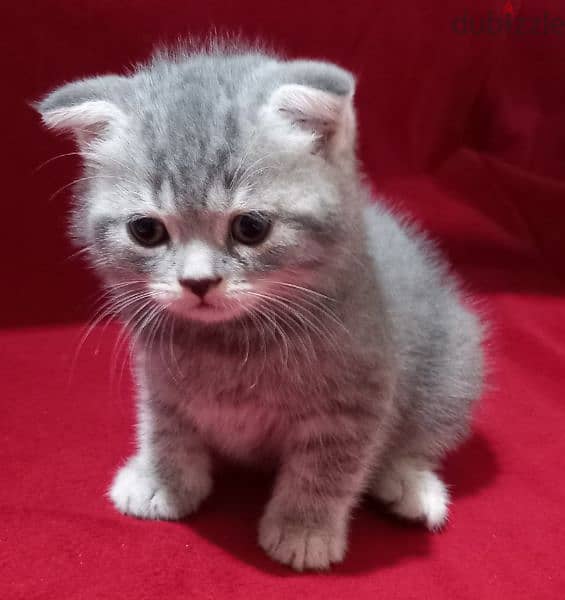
413	492
318	112
136	491
307	103
86	119
198	261
167	197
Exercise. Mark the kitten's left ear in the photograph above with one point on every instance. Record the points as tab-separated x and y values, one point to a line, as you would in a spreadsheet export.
86	108
316	99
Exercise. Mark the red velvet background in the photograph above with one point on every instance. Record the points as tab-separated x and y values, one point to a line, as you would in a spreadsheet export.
467	132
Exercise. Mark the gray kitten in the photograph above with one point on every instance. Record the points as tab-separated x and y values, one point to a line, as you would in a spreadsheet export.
277	314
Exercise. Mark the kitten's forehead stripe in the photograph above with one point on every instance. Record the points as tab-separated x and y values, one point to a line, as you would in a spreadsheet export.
166	198
231	128
191	130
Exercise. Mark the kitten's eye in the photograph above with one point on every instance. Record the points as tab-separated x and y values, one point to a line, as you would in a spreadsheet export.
148	232
250	228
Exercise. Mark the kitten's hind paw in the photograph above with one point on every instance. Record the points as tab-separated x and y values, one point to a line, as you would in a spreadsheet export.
413	493
301	547
136	491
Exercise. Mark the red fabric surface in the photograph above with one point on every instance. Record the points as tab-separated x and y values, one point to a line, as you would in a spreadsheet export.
467	132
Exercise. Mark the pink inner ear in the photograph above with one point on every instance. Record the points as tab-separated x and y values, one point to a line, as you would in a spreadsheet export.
87	120
303	104
328	116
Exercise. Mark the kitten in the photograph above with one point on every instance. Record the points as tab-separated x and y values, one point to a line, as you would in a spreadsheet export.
277	313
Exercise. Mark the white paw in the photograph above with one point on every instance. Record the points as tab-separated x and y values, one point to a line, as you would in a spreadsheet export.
301	547
135	491
414	493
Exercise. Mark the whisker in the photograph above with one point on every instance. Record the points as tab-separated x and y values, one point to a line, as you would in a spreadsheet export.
308	318
87	178
50	160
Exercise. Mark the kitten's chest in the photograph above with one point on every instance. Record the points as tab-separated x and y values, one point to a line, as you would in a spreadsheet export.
241	409
245	403
248	431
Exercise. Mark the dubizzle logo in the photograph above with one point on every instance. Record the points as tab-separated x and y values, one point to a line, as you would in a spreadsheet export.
508	21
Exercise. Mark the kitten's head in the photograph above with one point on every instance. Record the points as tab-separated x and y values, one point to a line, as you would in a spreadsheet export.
214	183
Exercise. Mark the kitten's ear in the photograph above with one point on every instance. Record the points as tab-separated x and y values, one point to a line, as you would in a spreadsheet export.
316	99
85	108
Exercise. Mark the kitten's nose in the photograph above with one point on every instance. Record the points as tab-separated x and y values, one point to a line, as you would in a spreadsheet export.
200	287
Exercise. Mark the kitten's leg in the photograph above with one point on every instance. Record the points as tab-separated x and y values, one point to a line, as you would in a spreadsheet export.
322	476
412	490
170	475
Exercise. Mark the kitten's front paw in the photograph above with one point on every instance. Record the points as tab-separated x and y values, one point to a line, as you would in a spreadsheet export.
135	491
413	493
301	547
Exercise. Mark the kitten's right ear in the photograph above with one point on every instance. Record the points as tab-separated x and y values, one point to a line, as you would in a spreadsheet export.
313	107
85	108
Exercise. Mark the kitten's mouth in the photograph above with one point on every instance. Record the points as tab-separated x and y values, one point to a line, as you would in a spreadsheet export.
203	310
202	304
206	312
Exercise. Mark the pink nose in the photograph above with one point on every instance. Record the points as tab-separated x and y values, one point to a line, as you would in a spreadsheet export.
200	287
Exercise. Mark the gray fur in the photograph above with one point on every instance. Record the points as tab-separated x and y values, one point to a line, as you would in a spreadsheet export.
360	369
